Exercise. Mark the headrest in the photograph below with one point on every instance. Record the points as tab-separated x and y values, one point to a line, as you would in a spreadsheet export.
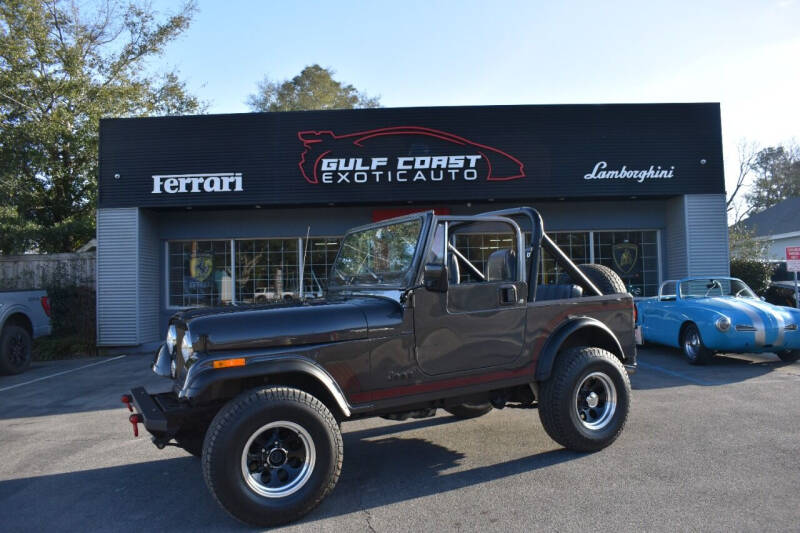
558	292
502	265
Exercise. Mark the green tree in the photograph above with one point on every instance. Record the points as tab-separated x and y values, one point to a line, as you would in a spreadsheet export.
777	176
749	258
63	66
744	245
313	88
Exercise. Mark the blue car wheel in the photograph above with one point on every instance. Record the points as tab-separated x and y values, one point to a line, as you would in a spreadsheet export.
789	356
693	347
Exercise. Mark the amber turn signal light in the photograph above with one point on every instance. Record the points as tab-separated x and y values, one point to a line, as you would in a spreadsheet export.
227	363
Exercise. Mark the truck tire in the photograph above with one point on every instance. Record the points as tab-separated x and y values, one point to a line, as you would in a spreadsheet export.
789	356
15	349
271	455
469	410
604	278
585	402
693	347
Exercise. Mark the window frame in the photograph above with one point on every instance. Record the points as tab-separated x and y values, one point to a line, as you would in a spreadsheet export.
301	243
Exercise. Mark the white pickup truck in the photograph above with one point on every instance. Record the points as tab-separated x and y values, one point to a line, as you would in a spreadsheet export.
24	315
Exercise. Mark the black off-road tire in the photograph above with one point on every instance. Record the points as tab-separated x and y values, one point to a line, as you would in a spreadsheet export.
469	410
559	403
789	356
604	278
15	349
242	418
692	346
191	442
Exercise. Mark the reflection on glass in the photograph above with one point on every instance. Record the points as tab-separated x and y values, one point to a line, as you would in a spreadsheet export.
266	270
199	273
377	256
633	255
320	252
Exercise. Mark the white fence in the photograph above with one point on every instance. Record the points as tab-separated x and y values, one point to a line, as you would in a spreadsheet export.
37	271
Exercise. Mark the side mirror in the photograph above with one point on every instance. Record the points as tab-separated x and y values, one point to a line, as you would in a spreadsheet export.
434	277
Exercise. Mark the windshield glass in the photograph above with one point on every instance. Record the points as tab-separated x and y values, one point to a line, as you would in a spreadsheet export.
377	256
703	288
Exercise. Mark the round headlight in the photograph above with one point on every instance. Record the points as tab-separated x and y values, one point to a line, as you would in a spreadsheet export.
186	346
723	323
172	338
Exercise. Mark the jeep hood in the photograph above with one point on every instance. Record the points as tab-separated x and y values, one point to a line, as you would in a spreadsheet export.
292	324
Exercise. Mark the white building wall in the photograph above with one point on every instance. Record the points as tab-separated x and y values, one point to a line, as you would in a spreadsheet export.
708	253
777	246
118	276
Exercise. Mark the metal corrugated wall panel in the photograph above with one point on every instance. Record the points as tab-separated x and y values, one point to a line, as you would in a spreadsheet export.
149	279
707	235
675	239
117	277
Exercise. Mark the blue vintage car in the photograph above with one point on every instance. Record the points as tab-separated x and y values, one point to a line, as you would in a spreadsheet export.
707	315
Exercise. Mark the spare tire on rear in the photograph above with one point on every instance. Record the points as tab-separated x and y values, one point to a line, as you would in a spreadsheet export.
603	277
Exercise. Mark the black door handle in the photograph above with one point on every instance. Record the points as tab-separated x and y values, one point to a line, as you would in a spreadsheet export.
508	295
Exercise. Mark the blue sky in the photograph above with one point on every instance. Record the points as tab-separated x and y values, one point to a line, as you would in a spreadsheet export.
742	54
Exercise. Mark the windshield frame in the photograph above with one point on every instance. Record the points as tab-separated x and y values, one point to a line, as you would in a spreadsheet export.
682	296
422	243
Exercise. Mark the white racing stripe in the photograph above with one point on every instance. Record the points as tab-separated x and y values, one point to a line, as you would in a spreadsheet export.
765	308
61	373
758	323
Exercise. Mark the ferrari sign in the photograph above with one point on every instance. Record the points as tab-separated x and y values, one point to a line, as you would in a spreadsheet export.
793	258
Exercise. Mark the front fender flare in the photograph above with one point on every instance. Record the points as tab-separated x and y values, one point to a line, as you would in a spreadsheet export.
552	346
202	376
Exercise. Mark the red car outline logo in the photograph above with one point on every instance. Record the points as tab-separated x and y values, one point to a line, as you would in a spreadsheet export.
309	138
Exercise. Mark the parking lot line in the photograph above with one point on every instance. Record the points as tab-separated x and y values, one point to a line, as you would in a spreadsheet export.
61	373
673	373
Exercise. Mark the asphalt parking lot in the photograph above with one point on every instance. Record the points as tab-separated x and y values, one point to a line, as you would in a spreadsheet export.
705	448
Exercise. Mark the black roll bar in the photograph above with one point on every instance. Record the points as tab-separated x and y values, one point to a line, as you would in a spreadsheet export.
539	240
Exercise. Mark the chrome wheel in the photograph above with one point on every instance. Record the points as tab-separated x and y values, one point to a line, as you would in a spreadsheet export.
278	459
595	400
692	343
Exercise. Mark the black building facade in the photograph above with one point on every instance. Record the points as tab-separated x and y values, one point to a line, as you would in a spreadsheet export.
226	209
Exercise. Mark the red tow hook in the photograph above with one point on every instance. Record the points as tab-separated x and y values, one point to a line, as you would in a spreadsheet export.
135	419
126	399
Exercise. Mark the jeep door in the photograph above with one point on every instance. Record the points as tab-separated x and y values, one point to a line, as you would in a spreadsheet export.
480	320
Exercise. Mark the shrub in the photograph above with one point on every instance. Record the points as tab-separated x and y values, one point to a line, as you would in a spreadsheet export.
755	273
72	316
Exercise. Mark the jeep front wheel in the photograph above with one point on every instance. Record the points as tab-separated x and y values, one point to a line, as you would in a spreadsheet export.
271	455
585	403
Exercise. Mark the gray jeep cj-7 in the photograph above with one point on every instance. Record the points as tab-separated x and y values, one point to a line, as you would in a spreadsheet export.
421	312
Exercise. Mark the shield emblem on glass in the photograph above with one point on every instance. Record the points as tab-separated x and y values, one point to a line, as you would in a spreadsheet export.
625	256
200	266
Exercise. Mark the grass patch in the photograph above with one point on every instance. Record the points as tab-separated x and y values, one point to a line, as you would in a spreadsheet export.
70	347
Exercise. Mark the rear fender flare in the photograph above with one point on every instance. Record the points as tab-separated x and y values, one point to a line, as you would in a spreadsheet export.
605	339
200	379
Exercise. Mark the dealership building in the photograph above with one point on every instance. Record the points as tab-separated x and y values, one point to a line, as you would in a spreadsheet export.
244	208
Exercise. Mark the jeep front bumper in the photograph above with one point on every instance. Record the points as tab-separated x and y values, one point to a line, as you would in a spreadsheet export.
163	415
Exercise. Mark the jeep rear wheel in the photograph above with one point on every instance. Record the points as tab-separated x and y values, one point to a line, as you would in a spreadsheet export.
585	403
469	410
271	455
